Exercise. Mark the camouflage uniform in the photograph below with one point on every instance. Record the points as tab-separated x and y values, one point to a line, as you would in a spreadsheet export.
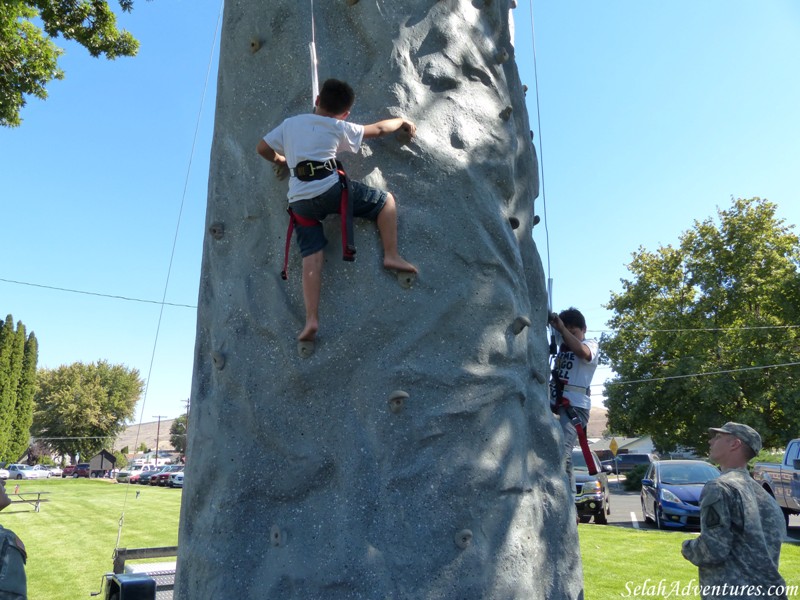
742	528
13	585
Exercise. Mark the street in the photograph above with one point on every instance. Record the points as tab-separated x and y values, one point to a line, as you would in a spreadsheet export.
626	511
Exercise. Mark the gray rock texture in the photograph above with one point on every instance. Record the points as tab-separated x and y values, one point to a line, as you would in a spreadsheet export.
413	455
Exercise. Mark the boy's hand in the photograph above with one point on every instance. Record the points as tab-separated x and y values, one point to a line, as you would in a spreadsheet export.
409	129
280	167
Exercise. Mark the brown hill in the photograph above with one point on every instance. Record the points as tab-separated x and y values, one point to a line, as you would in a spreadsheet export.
598	422
145	433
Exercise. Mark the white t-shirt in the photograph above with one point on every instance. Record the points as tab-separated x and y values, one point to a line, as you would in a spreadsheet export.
578	372
313	137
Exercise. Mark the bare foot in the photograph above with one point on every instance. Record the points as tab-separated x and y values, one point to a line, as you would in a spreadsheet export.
396	263
309	332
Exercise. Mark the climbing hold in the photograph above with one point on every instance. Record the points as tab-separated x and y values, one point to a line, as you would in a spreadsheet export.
403	136
536	220
531	134
217	230
501	57
219	360
305	348
514	221
506	114
524	89
255	45
276	536
513	3
538	376
396	400
406	278
519	324
463	539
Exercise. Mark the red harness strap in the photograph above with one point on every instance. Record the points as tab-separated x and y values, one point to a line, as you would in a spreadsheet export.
300	220
346	213
582	439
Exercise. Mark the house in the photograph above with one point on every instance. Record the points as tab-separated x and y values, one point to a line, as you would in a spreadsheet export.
631	445
102	463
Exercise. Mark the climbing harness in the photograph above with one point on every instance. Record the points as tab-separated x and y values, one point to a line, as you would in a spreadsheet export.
558	401
310	170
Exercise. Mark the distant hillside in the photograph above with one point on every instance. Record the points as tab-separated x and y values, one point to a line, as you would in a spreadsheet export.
134	435
145	433
598	422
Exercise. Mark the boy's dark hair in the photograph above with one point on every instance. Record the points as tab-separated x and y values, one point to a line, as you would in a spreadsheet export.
572	317
336	97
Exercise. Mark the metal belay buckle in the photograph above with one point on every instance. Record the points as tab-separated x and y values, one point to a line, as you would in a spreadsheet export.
312	169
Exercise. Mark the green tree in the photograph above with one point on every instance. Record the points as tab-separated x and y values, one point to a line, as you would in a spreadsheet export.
20	435
28	55
81	407
122	460
177	434
17	357
697	324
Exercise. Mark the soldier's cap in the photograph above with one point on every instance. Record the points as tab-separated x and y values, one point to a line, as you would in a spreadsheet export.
747	434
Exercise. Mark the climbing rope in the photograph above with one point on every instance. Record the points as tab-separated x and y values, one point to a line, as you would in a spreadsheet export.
312	47
171	259
541	151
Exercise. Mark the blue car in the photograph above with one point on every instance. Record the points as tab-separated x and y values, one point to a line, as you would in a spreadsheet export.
671	492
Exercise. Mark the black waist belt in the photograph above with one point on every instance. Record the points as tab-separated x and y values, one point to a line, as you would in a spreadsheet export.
313	170
319	170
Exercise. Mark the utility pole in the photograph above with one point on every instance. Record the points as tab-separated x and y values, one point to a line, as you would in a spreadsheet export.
158	432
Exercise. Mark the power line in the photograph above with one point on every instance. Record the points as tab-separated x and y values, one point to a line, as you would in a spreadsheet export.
739	370
693	330
85	437
85	293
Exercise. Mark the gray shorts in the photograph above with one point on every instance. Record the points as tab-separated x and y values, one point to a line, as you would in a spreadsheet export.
367	204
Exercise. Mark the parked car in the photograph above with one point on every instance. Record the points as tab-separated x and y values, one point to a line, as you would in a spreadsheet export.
146	476
67	471
82	470
4	473
42	472
783	481
625	463
55	471
124	475
175	479
20	471
591	491
163	476
671	492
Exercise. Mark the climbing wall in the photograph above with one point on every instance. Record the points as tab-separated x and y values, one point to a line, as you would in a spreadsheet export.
412	456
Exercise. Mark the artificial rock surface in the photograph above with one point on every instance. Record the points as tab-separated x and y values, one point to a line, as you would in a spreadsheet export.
413	454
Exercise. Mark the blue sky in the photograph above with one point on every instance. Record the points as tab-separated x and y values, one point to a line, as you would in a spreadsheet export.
652	116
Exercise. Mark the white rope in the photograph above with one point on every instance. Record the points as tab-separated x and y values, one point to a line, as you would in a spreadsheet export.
312	48
171	257
541	143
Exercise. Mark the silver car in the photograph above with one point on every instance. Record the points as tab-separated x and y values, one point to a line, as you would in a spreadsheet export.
175	479
19	471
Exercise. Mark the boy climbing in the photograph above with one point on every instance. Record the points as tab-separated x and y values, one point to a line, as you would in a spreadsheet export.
306	146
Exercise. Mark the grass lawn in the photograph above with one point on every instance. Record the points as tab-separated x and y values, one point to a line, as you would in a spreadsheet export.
616	560
71	541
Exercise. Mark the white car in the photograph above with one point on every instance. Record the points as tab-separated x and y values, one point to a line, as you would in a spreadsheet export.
3	474
175	480
19	471
42	472
55	471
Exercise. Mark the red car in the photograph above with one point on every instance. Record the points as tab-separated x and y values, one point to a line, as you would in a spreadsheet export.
79	470
162	478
